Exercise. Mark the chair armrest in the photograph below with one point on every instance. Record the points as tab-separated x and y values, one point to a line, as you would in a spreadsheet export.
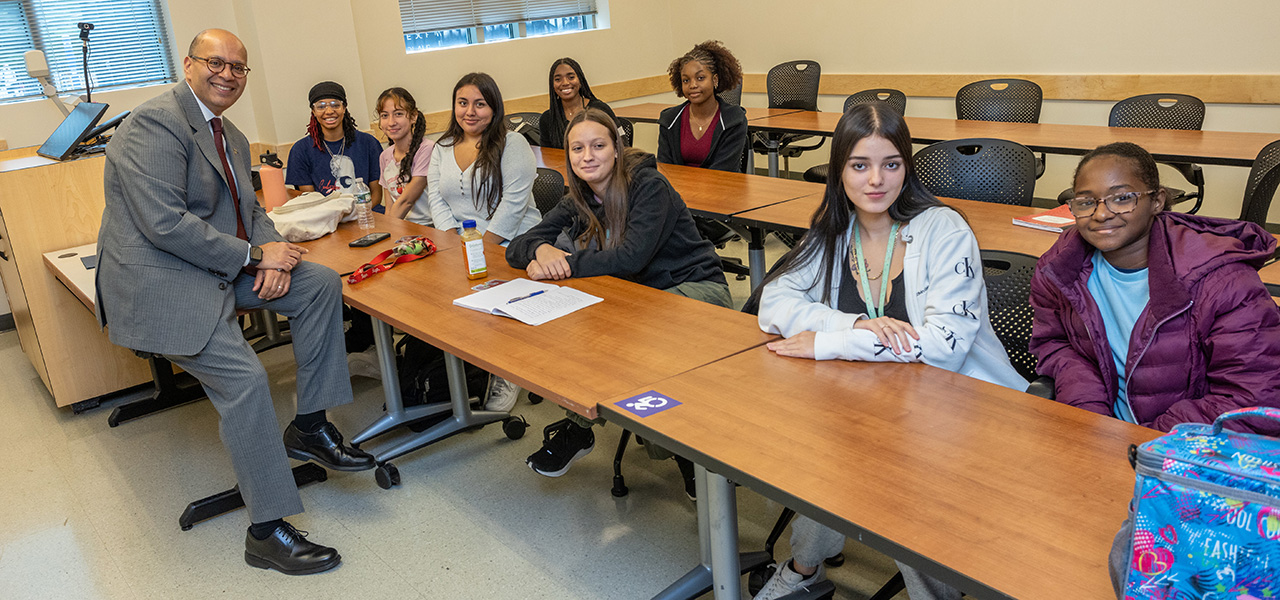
1042	386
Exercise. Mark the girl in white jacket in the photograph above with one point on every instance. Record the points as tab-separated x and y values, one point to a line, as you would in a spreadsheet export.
886	273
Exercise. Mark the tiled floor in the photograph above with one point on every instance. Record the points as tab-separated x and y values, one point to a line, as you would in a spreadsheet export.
88	511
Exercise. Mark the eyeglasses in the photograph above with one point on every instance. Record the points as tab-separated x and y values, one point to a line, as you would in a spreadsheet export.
322	105
1084	206
216	65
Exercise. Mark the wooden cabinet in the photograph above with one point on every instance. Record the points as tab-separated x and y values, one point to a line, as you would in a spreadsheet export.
47	205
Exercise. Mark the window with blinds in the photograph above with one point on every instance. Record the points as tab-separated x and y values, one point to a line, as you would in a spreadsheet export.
431	24
128	46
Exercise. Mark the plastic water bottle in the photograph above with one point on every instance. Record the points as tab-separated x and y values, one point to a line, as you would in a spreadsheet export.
473	242
364	204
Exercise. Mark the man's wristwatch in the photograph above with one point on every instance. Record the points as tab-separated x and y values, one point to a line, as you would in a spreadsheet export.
255	255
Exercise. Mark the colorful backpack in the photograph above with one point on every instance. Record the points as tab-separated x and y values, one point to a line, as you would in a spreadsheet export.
1207	514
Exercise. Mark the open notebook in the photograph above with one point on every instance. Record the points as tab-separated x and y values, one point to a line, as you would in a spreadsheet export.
530	302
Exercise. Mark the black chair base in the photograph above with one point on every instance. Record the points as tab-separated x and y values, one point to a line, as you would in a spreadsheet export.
169	390
225	502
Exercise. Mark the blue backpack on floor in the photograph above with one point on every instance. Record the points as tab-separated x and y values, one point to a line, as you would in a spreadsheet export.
1206	514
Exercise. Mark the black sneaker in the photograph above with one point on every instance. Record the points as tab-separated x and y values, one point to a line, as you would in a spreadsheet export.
563	443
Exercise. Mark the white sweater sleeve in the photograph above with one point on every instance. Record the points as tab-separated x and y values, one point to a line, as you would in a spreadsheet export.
441	214
519	169
792	303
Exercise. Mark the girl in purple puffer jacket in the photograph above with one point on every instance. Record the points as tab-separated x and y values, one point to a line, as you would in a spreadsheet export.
1154	317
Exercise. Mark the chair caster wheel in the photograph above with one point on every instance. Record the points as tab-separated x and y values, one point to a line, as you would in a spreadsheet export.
534	398
387	476
760	576
619	487
835	561
514	427
740	277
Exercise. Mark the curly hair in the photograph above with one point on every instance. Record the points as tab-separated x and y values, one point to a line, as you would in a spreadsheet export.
1144	165
718	59
402	99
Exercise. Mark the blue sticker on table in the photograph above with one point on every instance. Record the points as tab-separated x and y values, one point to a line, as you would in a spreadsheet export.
648	403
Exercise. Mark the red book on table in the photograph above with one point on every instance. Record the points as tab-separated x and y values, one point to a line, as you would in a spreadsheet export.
1056	220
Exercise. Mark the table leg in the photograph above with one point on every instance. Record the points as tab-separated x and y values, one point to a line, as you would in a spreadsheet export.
755	256
396	414
721	565
463	417
773	146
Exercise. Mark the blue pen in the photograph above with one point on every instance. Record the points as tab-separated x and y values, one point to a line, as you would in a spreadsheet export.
525	297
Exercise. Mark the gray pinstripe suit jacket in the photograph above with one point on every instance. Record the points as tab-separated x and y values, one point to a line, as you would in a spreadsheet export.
167	249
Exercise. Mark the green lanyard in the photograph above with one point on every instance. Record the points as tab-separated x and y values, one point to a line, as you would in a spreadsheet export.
874	310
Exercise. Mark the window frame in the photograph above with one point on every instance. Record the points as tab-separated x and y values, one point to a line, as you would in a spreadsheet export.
476	35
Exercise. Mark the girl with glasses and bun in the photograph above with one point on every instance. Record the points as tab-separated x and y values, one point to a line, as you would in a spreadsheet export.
335	152
404	165
705	131
621	218
570	95
886	273
1206	343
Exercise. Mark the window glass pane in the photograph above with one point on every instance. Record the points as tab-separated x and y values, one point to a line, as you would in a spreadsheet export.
418	42
126	47
493	33
560	25
15	39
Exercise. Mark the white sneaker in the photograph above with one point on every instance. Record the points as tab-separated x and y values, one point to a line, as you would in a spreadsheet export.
786	581
365	364
501	395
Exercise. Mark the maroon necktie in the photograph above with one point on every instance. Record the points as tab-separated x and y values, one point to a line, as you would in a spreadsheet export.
216	122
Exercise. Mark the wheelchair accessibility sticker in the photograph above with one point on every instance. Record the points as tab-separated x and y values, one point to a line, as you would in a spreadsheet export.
648	403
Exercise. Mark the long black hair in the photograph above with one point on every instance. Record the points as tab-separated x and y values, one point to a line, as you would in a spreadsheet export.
401	98
825	240
488	166
584	90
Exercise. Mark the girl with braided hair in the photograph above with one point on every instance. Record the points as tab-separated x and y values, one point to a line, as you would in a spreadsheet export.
334	153
404	165
570	95
705	131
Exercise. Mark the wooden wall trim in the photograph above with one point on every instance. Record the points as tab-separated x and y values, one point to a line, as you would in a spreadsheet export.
1217	89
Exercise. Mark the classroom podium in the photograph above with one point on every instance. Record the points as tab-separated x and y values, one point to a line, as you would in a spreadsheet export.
47	206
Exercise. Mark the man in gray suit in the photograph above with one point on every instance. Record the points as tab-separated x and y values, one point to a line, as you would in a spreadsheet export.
183	245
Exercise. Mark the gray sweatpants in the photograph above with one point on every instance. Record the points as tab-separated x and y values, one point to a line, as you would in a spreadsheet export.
812	543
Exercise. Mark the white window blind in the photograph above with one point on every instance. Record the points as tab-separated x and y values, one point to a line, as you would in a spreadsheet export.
15	39
127	47
423	16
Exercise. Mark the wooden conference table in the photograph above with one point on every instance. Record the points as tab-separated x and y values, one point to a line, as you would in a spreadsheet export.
1002	494
649	112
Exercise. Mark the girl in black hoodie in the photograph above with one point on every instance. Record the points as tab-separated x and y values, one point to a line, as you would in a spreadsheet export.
621	218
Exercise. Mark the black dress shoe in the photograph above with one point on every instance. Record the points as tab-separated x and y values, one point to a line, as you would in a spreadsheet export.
325	447
288	551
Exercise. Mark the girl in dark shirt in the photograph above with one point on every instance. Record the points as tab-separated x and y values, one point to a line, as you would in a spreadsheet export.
620	218
705	131
570	95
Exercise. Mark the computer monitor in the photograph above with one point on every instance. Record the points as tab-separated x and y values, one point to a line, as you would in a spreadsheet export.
73	130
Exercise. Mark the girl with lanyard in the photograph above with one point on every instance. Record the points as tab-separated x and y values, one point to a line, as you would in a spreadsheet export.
335	152
705	131
886	273
403	166
479	170
570	95
621	218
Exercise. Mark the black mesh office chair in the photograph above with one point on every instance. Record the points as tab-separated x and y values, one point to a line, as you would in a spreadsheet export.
526	124
890	97
982	169
548	189
1162	111
1263	179
627	129
732	96
791	84
1008	278
1003	100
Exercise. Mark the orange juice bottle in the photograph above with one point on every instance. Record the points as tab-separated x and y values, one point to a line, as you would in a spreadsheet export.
473	243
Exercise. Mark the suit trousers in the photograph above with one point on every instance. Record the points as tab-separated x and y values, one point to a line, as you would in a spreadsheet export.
237	385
